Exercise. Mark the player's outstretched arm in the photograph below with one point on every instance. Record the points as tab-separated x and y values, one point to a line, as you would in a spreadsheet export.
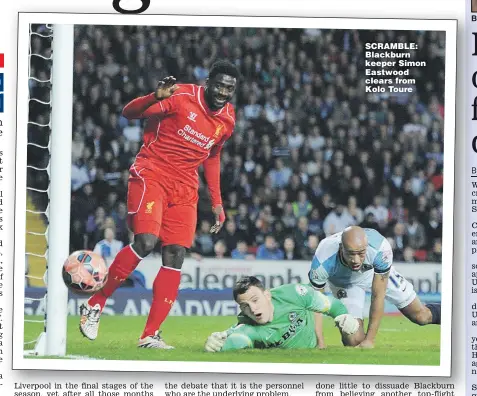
320	339
212	178
235	338
150	105
376	312
315	301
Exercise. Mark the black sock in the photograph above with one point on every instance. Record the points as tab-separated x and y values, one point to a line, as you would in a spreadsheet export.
436	312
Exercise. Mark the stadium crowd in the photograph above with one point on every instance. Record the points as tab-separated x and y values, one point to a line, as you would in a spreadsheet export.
311	153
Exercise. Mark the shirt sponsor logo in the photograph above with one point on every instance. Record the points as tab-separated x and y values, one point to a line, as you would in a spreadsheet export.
195	137
296	324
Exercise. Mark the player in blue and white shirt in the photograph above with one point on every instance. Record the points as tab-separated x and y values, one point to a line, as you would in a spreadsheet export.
358	260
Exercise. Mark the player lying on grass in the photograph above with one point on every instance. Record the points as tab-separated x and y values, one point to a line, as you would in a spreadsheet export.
358	260
283	317
186	126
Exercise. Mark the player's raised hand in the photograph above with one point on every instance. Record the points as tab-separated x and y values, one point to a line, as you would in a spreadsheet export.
219	214
165	88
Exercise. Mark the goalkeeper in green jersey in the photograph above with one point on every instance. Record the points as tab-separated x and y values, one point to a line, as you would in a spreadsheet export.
283	317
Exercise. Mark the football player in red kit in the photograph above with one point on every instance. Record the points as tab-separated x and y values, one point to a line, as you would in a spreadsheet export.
186	126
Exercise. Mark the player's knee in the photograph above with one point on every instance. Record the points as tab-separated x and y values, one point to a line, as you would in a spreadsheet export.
173	256
422	317
352	341
144	244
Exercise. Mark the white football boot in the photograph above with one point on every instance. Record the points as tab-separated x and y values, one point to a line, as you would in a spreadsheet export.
154	342
89	322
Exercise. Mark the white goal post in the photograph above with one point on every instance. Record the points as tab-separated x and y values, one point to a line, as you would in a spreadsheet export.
60	192
52	342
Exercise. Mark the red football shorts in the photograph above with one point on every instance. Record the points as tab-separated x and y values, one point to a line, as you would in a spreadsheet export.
162	206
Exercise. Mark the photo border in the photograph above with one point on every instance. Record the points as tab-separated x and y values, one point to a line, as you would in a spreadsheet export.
19	362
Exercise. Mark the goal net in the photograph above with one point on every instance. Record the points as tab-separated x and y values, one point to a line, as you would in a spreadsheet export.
50	83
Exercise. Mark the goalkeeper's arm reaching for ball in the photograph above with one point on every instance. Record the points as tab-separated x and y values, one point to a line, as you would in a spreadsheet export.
279	318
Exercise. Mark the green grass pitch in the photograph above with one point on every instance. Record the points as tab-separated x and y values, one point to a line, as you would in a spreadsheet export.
399	342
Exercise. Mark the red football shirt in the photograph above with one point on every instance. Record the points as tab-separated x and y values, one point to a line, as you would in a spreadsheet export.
181	133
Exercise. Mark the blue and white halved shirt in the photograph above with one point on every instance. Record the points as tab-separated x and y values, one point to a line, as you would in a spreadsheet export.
327	265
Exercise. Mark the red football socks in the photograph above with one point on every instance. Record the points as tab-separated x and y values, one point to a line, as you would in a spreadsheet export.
164	293
123	265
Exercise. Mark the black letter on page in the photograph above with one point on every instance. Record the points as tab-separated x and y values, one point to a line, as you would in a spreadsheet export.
144	7
474	79
475	44
474	144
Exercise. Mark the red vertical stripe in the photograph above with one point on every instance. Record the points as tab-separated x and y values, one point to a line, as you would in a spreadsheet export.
2	60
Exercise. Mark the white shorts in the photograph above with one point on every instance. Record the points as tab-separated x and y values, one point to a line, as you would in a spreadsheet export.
400	293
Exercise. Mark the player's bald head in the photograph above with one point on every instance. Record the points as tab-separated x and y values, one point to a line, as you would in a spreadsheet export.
354	238
354	243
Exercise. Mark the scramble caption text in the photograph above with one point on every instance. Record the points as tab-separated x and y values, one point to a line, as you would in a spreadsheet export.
397	73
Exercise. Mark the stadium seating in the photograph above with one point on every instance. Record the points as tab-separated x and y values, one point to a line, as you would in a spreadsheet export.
307	135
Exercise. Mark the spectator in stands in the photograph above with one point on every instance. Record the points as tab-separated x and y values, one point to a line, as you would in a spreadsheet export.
380	212
269	250
77	235
400	241
280	174
289	249
241	252
408	255
415	233
398	212
300	234
288	218
315	223
220	249
436	252
433	228
279	206
204	243
302	206
341	143
243	223
311	245
337	220
84	203
230	236
354	211
108	247
370	222
79	174
120	219
280	232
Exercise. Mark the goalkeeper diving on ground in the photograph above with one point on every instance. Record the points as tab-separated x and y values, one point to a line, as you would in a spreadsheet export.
283	317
